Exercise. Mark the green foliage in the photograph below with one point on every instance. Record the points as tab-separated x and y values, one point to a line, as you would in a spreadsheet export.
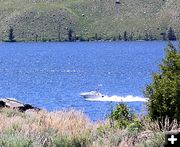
171	34
12	113
14	140
13	129
119	37
70	142
156	141
125	36
135	125
70	35
125	118
103	129
11	35
64	142
131	36
81	38
146	37
114	135
163	36
164	92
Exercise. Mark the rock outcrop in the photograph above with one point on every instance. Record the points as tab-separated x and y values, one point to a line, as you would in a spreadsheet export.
15	104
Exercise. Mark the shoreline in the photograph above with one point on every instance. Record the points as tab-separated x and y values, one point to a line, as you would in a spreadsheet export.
88	41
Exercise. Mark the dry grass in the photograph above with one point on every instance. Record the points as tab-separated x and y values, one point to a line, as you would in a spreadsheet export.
71	128
45	128
61	120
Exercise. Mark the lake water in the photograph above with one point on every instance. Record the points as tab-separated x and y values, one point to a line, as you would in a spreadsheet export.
52	75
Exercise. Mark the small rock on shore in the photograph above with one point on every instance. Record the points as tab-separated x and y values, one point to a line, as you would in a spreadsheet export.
15	104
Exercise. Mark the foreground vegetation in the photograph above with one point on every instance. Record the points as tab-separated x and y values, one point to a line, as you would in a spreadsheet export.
51	20
73	128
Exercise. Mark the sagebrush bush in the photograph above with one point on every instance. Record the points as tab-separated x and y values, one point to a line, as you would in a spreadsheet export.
156	141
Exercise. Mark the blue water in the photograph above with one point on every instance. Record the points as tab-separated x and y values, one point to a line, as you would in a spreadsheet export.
52	75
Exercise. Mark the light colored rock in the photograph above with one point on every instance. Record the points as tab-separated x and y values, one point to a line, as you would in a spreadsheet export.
31	111
15	104
12	103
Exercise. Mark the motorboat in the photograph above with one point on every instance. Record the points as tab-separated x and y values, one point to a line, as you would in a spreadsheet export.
92	94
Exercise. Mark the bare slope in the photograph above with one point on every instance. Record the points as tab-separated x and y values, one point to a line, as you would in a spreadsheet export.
51	19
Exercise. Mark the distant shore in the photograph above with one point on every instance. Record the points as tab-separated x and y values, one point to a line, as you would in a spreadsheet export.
27	41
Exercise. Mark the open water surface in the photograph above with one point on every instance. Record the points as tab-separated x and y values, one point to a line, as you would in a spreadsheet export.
52	75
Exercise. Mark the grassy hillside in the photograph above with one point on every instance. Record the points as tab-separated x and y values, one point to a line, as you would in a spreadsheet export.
51	19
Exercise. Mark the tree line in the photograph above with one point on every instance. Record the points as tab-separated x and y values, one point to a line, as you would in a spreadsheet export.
125	36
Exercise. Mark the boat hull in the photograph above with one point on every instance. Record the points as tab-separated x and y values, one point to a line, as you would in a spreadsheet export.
92	95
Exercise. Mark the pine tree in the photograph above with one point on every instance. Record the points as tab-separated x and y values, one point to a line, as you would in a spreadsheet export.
59	36
171	34
81	38
36	37
70	35
96	37
11	35
164	92
119	37
146	37
125	36
163	36
131	36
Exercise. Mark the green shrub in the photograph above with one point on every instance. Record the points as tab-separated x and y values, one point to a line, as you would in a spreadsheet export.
135	125
124	118
12	113
156	141
69	142
15	140
164	92
13	129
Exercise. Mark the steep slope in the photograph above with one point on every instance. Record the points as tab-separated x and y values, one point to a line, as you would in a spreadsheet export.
51	19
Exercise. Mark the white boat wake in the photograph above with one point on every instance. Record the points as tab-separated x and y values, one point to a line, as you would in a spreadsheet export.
115	98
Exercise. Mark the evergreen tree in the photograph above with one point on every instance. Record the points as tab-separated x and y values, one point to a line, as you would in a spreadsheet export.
36	37
151	37
96	37
163	36
140	37
11	35
119	37
114	38
125	36
171	34
131	36
59	36
164	92
81	38
146	37
70	35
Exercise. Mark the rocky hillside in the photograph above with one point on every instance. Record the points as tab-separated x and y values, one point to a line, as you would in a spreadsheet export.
52	19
